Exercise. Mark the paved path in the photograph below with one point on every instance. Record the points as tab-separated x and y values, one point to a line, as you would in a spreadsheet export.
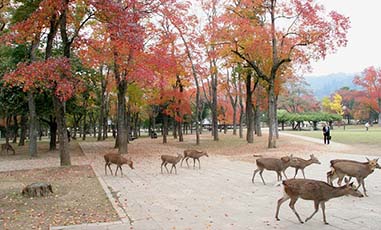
220	195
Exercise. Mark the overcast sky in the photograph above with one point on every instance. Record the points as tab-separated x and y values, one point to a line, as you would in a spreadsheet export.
364	38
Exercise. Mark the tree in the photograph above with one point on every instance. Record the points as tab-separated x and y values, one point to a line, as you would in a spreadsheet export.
370	80
271	34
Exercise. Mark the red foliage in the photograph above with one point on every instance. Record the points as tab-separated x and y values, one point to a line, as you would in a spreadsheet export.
53	74
370	79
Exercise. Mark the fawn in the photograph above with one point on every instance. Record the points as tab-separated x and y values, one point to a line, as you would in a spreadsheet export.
170	159
299	163
195	155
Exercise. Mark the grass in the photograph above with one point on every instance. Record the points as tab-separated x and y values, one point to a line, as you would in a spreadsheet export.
351	135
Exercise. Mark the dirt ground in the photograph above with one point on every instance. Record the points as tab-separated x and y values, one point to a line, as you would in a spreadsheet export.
77	198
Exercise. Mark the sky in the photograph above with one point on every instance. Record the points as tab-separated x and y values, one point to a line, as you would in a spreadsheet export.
364	38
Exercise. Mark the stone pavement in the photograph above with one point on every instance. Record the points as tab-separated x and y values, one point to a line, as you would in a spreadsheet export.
221	196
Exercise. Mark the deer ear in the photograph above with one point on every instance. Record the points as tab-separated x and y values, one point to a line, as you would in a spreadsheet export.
367	159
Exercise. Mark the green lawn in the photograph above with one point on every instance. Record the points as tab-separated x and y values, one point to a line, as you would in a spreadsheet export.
351	135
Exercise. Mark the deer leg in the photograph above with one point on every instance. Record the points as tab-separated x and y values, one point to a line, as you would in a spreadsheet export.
260	173
322	205
363	185
199	165
106	168
165	165
341	177
194	162
187	161
161	167
181	165
121	171
292	206
284	173
116	171
296	172
109	166
280	202
316	210
279	176
303	174
255	172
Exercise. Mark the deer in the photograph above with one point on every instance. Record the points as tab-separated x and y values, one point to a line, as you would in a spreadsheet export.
299	163
272	164
7	146
359	170
171	160
318	191
331	175
116	158
195	155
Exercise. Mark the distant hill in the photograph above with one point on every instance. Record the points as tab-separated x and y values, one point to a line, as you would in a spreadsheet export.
325	85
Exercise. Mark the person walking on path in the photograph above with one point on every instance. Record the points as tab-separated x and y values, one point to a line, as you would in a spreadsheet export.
326	134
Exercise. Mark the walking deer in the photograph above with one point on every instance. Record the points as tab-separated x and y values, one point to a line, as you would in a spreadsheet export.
272	164
318	191
359	170
116	158
171	160
195	155
299	163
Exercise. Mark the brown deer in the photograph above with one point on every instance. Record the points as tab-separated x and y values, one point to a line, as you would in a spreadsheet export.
7	146
299	163
272	164
195	155
116	158
318	191
171	160
359	170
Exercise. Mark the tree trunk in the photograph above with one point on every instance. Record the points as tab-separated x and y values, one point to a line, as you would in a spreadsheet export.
272	116
257	122
165	128
249	111
15	129
24	127
84	123
122	133
33	124
59	108
180	130
53	134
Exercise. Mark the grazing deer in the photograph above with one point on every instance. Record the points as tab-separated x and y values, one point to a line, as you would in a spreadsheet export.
195	155
116	158
359	170
318	191
7	146
170	159
272	164
299	163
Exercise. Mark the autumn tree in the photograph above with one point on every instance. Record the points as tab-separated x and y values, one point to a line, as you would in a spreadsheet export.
269	34
370	80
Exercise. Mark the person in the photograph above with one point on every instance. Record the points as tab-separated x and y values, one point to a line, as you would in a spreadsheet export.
367	126
326	134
